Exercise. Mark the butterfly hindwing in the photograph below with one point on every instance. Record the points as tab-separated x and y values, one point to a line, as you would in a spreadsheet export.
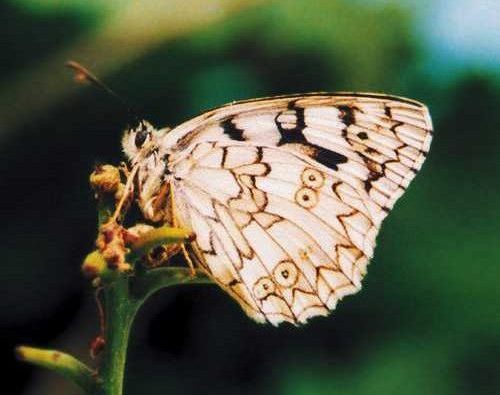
275	231
286	195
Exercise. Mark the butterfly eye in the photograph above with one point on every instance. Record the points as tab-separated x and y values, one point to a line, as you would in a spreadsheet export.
140	137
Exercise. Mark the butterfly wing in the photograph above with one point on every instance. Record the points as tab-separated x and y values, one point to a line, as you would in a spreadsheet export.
286	195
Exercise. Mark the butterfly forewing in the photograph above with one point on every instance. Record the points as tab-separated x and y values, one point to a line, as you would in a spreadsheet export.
286	195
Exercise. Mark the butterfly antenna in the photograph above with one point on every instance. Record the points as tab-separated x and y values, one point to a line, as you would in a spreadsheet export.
82	75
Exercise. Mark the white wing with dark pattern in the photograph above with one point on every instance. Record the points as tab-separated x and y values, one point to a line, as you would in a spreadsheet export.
286	195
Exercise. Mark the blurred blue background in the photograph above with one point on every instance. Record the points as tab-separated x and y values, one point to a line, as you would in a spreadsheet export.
427	320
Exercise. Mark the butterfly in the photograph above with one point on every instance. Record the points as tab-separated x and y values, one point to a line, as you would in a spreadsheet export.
285	195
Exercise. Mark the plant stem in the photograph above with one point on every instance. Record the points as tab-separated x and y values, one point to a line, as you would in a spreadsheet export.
123	297
155	279
120	310
60	362
157	237
124	293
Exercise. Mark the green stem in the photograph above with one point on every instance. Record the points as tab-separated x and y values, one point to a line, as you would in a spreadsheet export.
120	311
60	362
155	279
157	237
123	298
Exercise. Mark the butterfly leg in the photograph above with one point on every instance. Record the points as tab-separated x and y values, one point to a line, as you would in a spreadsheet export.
160	255
190	263
127	190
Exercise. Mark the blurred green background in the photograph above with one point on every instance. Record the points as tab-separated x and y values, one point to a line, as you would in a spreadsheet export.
428	318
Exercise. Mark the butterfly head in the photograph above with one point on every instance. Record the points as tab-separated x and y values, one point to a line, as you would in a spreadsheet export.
140	138
141	145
